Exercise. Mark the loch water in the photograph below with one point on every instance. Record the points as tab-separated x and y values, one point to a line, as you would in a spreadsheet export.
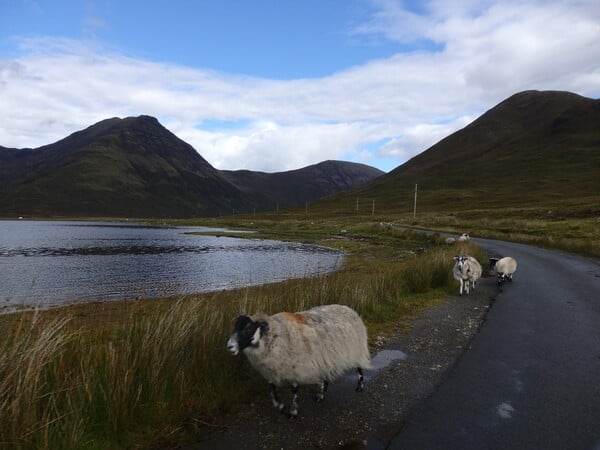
49	263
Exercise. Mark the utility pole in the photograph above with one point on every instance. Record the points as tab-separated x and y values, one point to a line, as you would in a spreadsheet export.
357	204
373	210
415	207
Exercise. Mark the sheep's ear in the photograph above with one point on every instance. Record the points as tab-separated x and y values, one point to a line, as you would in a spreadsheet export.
259	332
456	258
263	325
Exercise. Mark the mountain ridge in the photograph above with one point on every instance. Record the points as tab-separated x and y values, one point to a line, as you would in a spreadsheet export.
135	167
326	178
535	148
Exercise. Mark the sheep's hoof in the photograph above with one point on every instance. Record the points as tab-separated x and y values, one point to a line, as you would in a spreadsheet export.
319	398
280	407
360	387
293	415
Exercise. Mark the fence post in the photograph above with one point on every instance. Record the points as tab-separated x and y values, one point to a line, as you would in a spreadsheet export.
415	206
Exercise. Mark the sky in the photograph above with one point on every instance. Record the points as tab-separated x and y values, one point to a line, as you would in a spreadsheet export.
274	85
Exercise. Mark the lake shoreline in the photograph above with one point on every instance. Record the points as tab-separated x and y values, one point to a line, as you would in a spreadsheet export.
47	264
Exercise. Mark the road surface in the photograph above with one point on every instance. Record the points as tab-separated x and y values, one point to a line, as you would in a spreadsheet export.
531	378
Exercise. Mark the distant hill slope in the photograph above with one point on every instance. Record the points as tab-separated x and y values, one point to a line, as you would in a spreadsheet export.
533	149
134	167
294	187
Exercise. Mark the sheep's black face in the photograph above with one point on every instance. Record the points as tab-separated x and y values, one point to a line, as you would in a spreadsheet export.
460	261
246	333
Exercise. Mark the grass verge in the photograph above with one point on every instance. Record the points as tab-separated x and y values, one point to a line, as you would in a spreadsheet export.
153	373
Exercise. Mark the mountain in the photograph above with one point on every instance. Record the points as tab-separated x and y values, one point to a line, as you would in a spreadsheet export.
295	187
135	167
117	167
536	148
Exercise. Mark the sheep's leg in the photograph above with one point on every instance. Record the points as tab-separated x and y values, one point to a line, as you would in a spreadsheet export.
361	380
322	390
460	291
274	399
294	407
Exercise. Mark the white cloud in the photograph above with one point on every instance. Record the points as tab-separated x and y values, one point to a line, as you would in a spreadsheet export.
420	136
270	147
484	53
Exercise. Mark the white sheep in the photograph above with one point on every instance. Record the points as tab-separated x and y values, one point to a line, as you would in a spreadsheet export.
308	347
464	237
449	241
466	270
504	268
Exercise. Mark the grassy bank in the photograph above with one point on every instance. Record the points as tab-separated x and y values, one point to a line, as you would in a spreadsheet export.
572	228
154	373
559	229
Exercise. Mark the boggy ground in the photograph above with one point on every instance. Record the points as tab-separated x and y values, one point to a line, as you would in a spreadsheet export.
369	419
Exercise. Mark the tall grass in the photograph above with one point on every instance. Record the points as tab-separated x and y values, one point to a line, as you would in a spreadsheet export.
147	379
30	386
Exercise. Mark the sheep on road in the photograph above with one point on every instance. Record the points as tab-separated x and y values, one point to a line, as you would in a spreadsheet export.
309	347
466	271
504	268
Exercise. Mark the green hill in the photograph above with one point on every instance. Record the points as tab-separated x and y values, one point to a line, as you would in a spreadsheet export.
533	150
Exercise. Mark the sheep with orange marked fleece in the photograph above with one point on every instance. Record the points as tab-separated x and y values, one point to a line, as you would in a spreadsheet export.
308	347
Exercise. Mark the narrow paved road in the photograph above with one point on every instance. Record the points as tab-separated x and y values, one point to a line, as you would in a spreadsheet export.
531	378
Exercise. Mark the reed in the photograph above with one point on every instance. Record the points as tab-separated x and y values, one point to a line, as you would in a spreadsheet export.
146	379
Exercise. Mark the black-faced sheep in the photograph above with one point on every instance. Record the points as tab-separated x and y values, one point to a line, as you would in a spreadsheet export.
464	237
466	270
504	268
309	347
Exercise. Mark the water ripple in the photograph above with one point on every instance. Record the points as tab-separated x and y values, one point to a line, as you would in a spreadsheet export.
48	263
